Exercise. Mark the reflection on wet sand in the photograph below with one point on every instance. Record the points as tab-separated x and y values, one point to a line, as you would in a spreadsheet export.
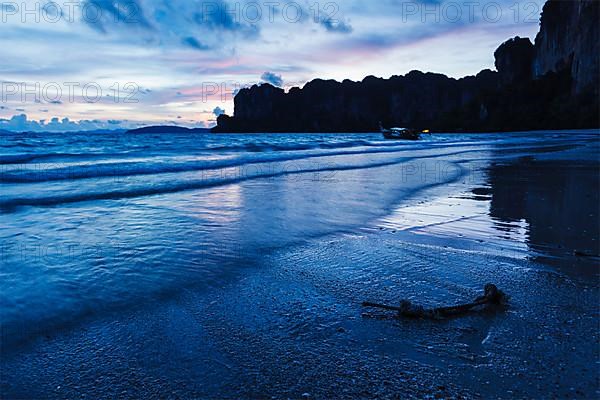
558	200
545	210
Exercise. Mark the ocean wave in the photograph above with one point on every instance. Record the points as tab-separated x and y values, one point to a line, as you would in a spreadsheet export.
9	204
249	147
273	147
116	169
263	147
245	145
160	165
26	158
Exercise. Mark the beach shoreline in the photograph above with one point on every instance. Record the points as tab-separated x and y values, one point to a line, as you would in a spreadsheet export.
289	324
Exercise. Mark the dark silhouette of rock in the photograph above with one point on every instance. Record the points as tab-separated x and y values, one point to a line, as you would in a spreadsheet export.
513	60
569	38
416	99
552	84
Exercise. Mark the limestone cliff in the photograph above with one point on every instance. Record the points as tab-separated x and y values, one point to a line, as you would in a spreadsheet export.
569	38
551	84
514	59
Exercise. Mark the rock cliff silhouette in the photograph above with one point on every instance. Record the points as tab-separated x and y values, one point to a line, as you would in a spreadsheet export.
550	84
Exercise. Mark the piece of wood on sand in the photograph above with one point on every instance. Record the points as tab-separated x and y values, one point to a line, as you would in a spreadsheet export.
492	297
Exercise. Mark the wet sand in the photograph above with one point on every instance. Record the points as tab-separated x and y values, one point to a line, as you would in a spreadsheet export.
292	327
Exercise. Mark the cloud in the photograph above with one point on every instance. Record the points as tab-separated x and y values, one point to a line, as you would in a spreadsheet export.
101	13
195	44
218	111
170	23
221	15
336	26
272	78
20	123
332	24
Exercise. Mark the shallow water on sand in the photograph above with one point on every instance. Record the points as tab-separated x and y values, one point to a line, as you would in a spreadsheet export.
97	229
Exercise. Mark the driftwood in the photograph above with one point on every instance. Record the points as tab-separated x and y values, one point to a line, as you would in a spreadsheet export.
492	296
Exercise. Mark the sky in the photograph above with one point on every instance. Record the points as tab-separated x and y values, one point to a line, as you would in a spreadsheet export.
115	64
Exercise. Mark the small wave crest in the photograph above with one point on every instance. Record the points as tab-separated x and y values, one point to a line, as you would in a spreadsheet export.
9	204
128	168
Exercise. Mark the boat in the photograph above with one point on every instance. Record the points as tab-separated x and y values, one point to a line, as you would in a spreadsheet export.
400	133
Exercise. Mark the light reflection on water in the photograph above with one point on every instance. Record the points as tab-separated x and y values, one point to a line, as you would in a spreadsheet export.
543	210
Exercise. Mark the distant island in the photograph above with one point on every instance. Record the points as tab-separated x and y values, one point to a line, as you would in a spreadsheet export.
168	129
552	84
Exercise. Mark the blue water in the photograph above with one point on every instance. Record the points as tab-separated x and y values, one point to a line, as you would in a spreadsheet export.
93	223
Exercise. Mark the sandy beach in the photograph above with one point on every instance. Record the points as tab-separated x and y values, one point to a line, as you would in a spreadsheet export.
233	313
